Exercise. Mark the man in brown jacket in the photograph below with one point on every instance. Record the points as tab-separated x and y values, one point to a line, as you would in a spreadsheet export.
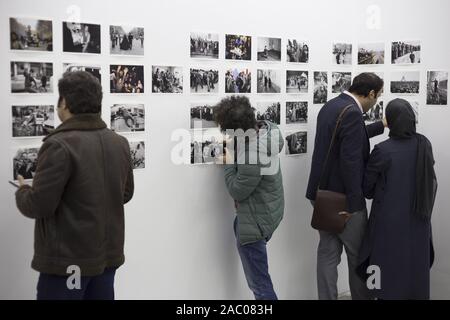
84	177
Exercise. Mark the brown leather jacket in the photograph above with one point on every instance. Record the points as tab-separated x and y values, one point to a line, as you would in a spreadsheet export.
84	177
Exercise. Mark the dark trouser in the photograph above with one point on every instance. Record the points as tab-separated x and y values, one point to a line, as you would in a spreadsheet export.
256	268
53	287
329	256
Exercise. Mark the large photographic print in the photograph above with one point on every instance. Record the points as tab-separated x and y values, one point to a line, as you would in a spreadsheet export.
167	79
238	80
320	87
297	51
94	70
126	40
25	162
269	49
437	87
81	37
204	45
31	34
405	82
204	80
296	142
406	52
127	118
296	81
296	112
32	121
126	79
269	111
238	47
31	77
269	81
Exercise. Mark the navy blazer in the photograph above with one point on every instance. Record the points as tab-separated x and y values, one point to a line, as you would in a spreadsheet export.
350	153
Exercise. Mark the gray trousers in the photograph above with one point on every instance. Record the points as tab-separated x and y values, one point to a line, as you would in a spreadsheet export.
329	256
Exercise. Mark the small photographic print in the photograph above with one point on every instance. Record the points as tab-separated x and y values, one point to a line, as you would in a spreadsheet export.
137	149
405	82
296	142
269	81
296	112
376	113
297	81
238	80
94	70
204	80
406	52
341	81
371	53
204	45
126	40
206	146
25	162
127	118
269	49
269	111
238	47
342	53
320	87
32	121
202	116
126	78
31	77
437	87
81	37
297	51
167	79
31	34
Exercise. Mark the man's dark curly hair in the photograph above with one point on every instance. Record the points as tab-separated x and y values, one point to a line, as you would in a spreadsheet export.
235	112
82	92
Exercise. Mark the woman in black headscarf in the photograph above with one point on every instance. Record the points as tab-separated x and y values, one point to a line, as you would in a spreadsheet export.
400	179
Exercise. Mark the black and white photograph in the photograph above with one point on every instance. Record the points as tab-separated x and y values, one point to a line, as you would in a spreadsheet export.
269	49
126	78
94	70
297	51
126	40
371	53
268	81
342	53
320	87
406	52
31	34
238	80
376	113
204	45
405	82
32	121
267	110
297	81
204	80
296	142
128	118
137	150
25	162
31	77
341	81
81	37
202	116
296	112
437	87
167	79
238	47
206	146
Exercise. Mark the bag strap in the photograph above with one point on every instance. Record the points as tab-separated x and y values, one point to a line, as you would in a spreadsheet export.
333	138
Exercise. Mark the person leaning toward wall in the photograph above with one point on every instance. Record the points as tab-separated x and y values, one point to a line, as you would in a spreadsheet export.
253	179
83	179
401	180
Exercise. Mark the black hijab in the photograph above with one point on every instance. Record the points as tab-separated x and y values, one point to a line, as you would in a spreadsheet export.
402	125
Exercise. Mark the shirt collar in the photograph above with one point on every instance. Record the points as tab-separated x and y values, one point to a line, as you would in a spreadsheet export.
356	100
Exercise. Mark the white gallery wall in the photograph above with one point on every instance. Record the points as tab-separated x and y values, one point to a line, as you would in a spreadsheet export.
179	239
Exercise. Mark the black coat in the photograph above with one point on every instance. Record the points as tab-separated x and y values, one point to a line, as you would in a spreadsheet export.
397	241
349	155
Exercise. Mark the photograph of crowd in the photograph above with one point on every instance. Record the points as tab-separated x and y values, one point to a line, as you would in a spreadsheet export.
32	121
296	81
320	87
25	163
407	82
126	78
297	51
296	142
204	80
371	53
238	47
31	34
296	112
126	40
269	111
238	81
406	52
128	117
31	77
205	45
137	150
376	113
94	70
167	79
342	53
269	49
268	81
341	81
206	146
437	87
81	37
202	116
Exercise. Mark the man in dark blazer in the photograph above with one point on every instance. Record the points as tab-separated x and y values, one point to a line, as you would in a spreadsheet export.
344	174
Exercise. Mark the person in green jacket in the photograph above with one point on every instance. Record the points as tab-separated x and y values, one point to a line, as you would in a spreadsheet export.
254	180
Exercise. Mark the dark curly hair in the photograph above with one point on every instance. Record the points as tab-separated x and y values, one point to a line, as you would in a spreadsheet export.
82	92
235	112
